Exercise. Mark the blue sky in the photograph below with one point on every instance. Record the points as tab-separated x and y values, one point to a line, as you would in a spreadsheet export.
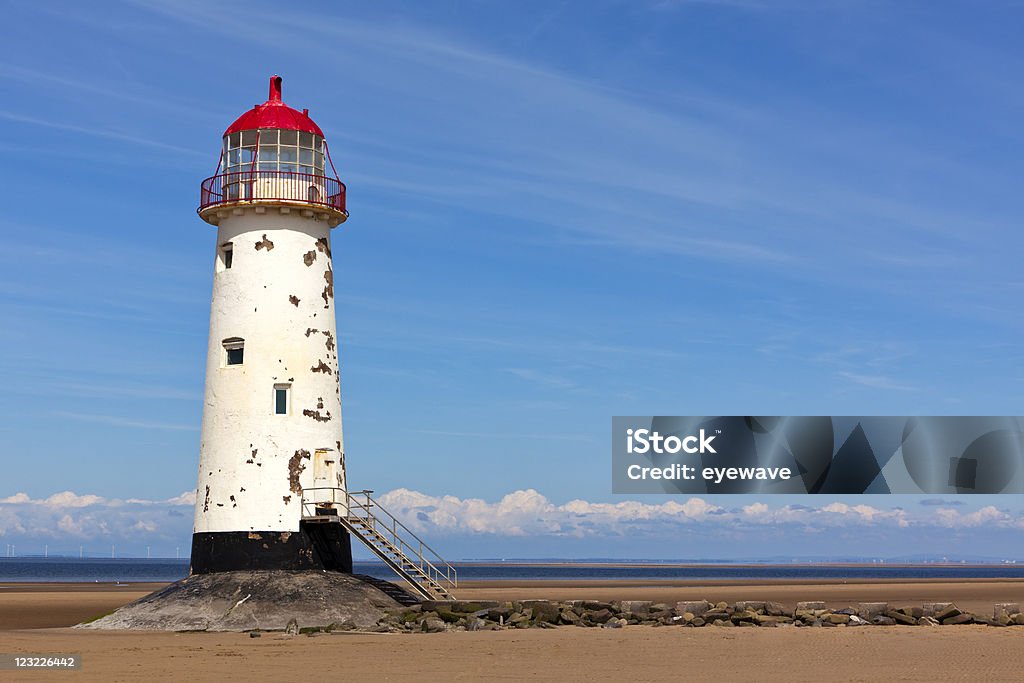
560	212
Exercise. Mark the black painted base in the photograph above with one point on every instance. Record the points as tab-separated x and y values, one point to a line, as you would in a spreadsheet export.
323	546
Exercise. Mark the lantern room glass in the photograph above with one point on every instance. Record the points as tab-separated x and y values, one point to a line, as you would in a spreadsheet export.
271	149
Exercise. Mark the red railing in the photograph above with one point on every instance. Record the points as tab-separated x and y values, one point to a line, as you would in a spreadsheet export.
306	188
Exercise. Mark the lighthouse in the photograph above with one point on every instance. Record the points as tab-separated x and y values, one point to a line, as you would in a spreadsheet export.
274	516
271	430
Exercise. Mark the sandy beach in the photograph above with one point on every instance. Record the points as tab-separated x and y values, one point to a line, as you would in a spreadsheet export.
35	618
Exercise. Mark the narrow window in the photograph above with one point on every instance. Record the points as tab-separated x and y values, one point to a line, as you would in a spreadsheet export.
234	351
281	392
226	256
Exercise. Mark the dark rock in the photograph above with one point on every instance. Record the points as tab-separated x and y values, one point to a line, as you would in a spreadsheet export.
1007	608
745	616
254	634
292	627
947	613
500	613
962	618
638	608
933	609
697	608
867	610
882	620
750	606
433	625
567	616
901	618
543	610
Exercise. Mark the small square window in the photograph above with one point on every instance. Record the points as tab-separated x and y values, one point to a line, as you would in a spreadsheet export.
288	137
281	392
227	254
248	138
234	351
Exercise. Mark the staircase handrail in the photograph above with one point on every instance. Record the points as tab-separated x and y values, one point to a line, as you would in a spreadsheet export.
450	574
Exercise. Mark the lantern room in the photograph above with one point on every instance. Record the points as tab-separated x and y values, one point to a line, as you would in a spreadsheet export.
274	155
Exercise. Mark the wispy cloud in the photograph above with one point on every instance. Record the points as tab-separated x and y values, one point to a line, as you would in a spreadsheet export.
542	378
98	132
118	421
507	435
876	381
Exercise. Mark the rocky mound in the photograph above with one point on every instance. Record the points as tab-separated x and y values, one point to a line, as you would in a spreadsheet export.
259	600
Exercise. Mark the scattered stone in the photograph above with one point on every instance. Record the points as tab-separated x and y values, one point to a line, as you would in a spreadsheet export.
292	628
901	618
962	618
932	609
882	620
543	610
810	606
947	613
636	607
744	616
866	610
1007	608
254	634
750	605
567	616
433	625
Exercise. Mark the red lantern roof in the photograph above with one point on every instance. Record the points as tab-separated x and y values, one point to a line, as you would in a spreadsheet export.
275	114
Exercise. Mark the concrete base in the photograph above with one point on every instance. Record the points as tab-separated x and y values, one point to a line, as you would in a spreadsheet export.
264	600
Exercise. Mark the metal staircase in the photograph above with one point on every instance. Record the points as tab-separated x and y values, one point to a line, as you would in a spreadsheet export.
363	517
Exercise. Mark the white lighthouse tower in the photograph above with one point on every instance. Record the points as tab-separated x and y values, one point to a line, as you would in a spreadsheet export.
272	410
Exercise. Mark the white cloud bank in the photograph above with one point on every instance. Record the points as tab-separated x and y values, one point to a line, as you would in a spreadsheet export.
73	517
529	513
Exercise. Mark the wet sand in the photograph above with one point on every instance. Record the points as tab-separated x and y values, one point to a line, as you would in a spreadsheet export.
29	614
